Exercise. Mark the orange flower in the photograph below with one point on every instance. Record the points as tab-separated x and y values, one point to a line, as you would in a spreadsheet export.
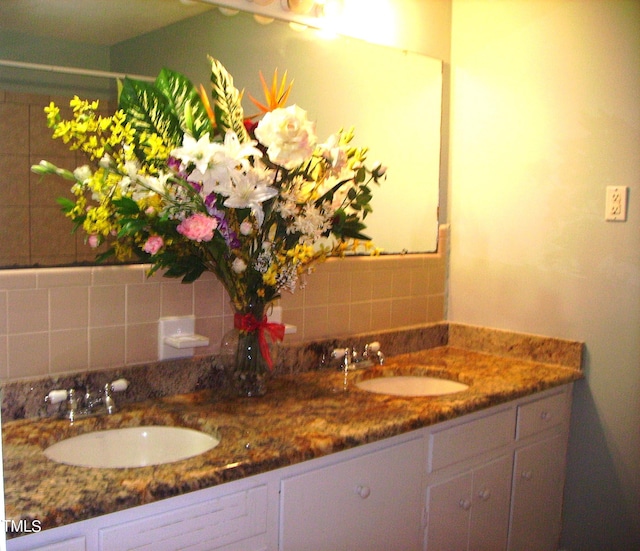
276	96
207	105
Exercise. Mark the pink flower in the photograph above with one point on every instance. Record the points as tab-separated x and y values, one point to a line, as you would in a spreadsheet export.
153	244
198	227
94	241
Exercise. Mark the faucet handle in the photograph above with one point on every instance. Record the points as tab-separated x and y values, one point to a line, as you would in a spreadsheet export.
373	347
339	353
56	396
372	350
118	385
69	396
115	386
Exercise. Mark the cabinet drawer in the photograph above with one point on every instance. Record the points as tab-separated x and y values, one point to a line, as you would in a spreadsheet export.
542	414
213	524
75	544
467	440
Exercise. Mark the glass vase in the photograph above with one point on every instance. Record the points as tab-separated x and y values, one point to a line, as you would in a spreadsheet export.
247	368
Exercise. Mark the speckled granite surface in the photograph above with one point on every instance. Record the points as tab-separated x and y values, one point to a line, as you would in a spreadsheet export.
304	415
25	398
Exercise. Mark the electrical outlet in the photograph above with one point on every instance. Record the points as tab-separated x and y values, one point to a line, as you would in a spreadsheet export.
616	203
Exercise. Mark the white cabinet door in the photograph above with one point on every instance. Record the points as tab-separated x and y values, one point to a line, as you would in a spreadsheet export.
449	514
490	506
471	511
369	503
538	481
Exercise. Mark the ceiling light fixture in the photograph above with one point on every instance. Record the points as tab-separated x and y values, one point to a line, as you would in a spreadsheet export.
228	11
263	19
300	7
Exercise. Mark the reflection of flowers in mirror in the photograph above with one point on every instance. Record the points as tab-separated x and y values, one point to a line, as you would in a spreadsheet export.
189	184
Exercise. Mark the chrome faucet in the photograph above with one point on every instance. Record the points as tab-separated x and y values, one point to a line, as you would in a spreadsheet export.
372	352
350	359
89	403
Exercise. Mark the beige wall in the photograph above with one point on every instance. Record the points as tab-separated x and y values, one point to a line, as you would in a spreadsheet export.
546	113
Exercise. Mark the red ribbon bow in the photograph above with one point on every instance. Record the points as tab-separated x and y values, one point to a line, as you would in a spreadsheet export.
249	323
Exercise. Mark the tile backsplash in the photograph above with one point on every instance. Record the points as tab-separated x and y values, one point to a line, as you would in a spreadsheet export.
64	320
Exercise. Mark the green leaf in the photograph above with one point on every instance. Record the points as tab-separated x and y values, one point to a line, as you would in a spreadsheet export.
352	228
364	199
188	119
185	102
348	226
67	204
77	223
194	273
131	226
109	253
227	106
149	110
188	271
328	195
126	206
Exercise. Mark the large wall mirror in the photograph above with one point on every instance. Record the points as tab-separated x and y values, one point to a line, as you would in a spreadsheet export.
392	98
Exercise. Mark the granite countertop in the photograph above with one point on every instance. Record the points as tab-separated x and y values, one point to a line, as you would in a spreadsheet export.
303	416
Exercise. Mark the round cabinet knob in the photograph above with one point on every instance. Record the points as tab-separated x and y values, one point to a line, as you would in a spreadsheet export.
545	416
363	491
465	504
484	494
527	475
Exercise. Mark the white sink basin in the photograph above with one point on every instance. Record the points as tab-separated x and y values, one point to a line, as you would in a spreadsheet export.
411	385
131	447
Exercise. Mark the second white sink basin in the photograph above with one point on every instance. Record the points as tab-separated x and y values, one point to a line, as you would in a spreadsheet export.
411	385
131	447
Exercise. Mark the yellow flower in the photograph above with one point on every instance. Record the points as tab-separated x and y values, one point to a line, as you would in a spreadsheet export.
122	250
301	254
80	207
61	129
53	114
154	147
94	149
98	221
150	204
269	277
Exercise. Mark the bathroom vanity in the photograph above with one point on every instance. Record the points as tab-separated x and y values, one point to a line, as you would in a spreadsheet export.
321	464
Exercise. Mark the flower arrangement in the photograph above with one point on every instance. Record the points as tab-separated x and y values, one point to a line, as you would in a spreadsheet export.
188	184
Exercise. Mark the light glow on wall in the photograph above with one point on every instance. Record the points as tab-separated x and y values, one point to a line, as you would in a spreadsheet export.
371	20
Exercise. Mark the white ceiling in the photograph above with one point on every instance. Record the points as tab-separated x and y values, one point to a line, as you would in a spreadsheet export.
105	22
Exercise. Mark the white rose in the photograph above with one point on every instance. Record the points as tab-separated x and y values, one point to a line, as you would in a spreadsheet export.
289	137
239	265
